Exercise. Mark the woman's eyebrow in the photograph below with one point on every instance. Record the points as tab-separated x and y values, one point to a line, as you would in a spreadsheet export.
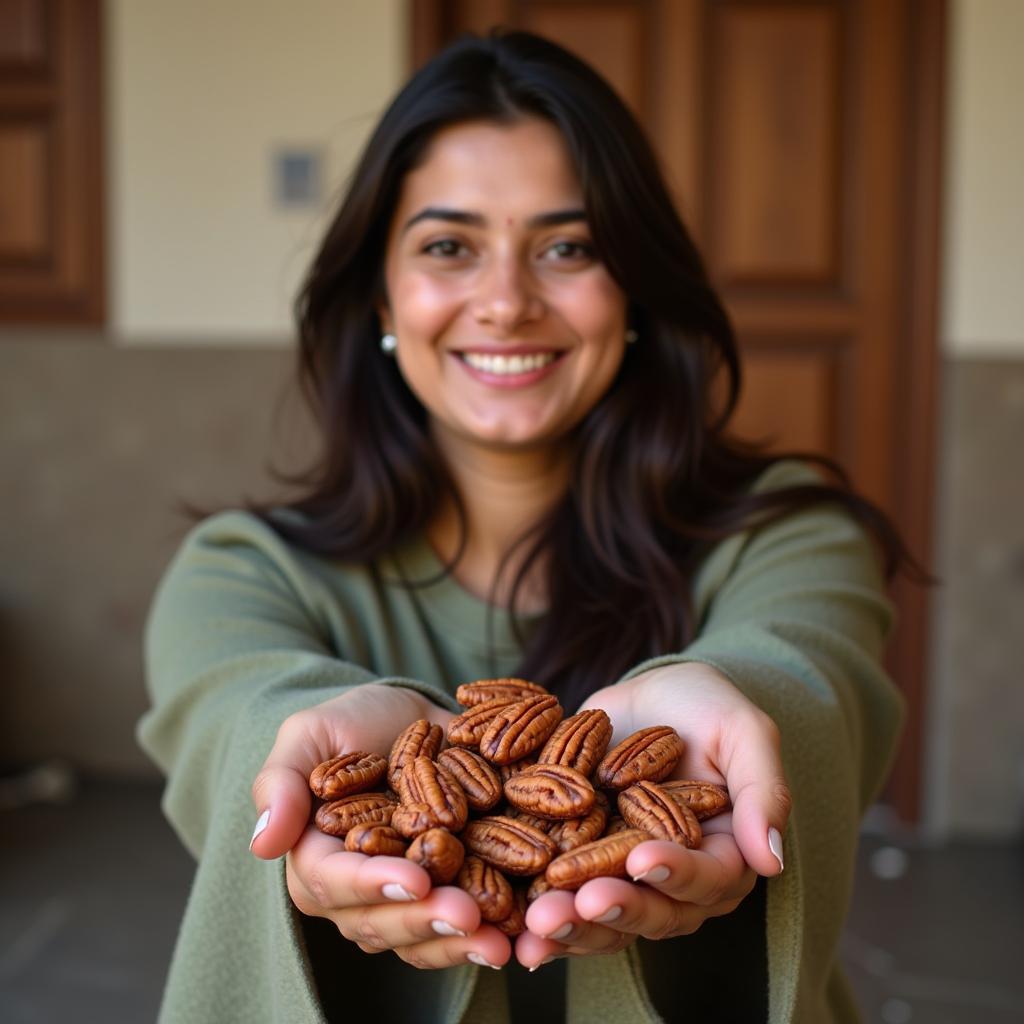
478	220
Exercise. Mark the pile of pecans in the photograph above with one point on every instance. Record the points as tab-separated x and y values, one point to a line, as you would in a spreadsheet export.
556	830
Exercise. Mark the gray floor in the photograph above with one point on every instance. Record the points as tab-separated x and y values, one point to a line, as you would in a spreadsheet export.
91	893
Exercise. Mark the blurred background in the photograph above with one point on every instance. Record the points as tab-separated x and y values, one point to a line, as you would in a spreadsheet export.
852	173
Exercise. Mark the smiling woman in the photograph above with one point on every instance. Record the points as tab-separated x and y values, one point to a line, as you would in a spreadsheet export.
509	486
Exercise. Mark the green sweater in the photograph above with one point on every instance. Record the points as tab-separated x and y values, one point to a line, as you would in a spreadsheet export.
246	629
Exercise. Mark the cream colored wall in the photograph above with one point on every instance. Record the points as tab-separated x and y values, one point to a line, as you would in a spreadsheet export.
199	94
983	297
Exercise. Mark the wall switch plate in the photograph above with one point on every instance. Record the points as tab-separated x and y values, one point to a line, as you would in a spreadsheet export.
298	176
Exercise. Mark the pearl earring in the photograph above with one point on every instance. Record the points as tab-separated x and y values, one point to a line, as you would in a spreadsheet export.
388	344
631	336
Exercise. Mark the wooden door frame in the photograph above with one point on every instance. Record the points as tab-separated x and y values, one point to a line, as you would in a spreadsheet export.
918	365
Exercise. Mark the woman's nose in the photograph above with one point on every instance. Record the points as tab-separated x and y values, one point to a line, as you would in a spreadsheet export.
507	296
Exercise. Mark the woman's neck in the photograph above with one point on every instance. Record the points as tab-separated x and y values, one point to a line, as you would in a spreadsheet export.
504	494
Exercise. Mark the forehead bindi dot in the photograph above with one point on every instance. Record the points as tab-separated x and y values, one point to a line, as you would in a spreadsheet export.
508	222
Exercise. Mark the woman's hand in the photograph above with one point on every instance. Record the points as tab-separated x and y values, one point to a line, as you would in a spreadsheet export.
729	741
379	903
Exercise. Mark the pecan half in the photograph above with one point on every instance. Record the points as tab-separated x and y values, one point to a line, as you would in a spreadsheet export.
515	922
510	845
568	835
705	799
506	771
467	729
426	782
551	791
520	728
488	887
347	773
603	858
375	840
471	694
419	738
480	782
648	754
580	741
648	807
337	817
538	887
616	824
412	820
439	853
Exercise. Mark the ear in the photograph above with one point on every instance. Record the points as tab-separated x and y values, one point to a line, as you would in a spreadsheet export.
384	315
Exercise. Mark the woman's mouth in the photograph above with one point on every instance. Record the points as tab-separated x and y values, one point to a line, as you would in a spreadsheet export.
508	366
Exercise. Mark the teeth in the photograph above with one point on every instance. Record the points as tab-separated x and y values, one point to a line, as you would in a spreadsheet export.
508	365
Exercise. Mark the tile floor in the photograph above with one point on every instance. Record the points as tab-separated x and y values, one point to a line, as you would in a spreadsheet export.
91	893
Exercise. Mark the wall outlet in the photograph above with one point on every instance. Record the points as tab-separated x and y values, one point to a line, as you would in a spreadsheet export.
298	176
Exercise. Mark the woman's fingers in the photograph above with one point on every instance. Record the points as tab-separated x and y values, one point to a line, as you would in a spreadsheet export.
761	800
336	878
486	947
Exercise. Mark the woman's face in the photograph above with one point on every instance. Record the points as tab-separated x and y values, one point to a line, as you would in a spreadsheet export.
509	328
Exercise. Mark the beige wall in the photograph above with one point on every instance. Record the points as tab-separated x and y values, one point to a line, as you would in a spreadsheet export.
983	297
200	92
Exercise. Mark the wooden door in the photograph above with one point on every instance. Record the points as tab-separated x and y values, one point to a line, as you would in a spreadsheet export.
802	143
51	229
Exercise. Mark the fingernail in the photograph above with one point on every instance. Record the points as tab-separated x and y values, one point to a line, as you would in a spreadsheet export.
611	914
444	928
546	960
476	958
261	823
656	874
393	891
563	933
775	845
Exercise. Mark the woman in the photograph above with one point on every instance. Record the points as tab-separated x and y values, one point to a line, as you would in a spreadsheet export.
511	345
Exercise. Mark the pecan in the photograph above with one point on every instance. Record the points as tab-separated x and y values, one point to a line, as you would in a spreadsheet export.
347	773
488	887
580	741
515	922
412	820
568	835
375	840
648	807
509	845
648	754
551	791
426	782
479	780
538	887
603	858
616	824
466	730
439	853
506	771
471	694
419	738
705	799
337	817
544	825
520	728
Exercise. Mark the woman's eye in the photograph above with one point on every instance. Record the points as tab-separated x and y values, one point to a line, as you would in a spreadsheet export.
570	251
444	247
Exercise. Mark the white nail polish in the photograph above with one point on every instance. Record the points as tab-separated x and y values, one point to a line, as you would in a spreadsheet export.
393	891
564	932
476	958
656	874
775	845
444	928
611	914
261	823
546	960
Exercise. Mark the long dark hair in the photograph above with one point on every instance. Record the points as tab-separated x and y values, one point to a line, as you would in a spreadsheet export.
655	482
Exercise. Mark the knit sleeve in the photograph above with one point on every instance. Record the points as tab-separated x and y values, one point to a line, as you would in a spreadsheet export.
796	616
